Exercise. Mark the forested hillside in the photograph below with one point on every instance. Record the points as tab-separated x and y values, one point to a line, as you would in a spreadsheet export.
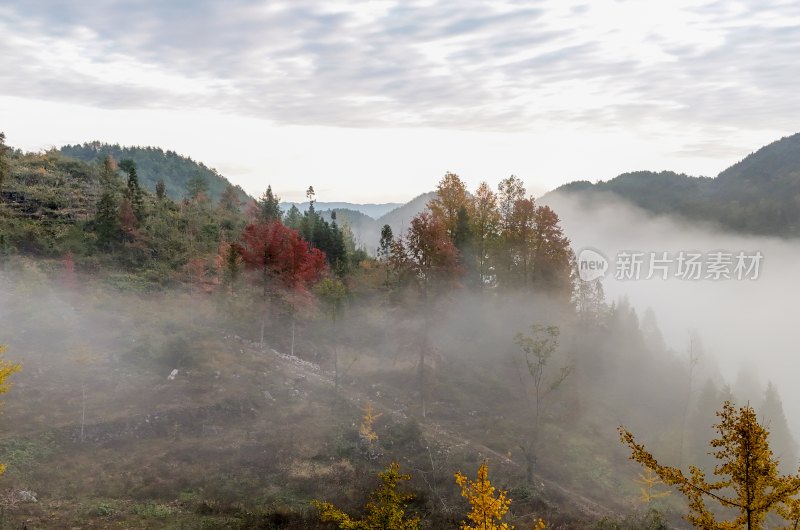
200	363
179	174
758	195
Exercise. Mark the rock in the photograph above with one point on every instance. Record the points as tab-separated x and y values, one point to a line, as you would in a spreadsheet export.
26	496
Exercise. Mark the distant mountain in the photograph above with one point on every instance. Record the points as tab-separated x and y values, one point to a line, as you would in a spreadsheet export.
778	162
400	217
154	164
367	229
372	210
758	195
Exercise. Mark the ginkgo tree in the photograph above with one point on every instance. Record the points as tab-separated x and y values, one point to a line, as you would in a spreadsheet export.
7	369
749	484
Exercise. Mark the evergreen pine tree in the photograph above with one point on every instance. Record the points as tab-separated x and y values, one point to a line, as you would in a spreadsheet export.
269	207
133	192
106	220
782	443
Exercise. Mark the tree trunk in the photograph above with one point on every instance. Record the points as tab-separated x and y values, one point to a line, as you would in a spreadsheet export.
335	368
530	462
83	409
263	320
293	319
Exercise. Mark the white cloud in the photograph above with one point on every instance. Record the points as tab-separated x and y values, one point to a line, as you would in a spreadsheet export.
681	85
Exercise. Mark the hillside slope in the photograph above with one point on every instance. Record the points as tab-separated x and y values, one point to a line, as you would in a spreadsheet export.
154	164
758	195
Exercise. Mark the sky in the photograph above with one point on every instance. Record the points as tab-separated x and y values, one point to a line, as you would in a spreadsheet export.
373	101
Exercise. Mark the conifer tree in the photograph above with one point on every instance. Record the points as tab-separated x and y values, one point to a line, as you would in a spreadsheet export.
367	430
133	192
269	207
293	218
488	504
385	251
783	445
161	189
106	220
386	510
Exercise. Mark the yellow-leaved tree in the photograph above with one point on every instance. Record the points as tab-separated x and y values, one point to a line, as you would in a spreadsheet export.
386	510
749	484
489	505
366	430
7	368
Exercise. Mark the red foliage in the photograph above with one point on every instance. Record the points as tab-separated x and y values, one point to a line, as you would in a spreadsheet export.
129	223
281	255
197	277
69	270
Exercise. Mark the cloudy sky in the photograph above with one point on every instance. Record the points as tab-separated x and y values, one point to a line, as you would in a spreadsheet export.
375	100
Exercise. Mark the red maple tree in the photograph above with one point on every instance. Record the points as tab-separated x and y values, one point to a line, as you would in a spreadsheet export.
281	256
286	265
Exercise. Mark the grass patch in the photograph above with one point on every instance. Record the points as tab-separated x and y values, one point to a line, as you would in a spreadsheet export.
20	455
152	510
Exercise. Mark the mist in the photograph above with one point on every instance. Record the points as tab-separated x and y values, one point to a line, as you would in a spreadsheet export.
97	393
174	378
744	324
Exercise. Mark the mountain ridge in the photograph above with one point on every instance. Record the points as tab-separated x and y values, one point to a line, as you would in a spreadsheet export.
372	210
759	194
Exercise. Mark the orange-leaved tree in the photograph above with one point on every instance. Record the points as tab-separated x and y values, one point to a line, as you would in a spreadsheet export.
427	259
386	510
6	370
749	485
451	197
489	505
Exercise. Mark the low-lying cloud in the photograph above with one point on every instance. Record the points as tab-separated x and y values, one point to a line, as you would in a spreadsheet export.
742	323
